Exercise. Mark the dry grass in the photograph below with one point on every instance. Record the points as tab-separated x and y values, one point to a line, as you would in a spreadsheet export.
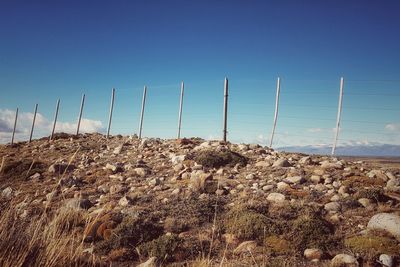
44	240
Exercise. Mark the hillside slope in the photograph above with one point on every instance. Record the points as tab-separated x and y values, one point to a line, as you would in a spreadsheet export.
89	201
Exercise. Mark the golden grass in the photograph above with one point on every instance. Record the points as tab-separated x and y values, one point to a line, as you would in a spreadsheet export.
45	240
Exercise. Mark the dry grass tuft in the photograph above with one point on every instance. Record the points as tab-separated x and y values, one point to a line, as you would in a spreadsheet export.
46	240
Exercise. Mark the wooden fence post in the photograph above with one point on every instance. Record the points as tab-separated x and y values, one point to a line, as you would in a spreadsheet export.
111	111
142	111
15	127
33	123
278	90
80	114
180	110
225	131
339	114
55	119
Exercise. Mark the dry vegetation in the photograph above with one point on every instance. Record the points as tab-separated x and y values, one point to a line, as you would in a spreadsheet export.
93	202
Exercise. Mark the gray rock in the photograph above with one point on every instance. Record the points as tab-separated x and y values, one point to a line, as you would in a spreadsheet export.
365	202
77	203
344	260
315	179
142	172
294	180
263	164
245	247
250	176
388	222
276	198
332	207
313	254
281	186
386	260
151	262
118	150
177	159
125	201
7	192
393	185
281	163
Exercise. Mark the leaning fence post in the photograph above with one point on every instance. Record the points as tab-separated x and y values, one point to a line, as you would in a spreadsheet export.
111	111
55	119
225	131
339	114
80	114
142	111
33	123
278	90
180	110
15	127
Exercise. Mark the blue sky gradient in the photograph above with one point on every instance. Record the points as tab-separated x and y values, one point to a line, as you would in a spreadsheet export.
60	49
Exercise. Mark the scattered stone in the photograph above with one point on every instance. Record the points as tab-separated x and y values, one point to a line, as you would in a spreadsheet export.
263	164
245	247
151	262
332	207
294	180
125	201
282	186
344	260
276	198
386	260
7	193
365	202
313	254
281	163
388	222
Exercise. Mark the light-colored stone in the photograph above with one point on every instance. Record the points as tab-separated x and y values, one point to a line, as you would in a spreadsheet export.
263	164
388	222
281	163
282	186
276	198
246	246
177	159
294	180
386	260
315	179
365	202
344	260
332	207
125	201
313	254
7	192
151	262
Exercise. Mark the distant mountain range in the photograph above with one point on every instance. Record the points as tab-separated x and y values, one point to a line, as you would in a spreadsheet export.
377	150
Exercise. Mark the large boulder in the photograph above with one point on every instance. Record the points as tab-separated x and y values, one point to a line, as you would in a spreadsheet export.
388	222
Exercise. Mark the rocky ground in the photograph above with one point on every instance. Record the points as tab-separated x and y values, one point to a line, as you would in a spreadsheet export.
89	201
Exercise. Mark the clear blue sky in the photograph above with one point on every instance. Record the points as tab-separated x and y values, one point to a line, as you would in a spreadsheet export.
52	49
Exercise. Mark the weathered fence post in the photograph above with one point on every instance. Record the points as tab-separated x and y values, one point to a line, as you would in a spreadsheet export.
15	126
142	111
225	131
80	114
55	119
339	114
180	110
278	90
111	111
33	123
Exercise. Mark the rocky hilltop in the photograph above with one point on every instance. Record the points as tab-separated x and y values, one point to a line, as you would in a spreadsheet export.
122	201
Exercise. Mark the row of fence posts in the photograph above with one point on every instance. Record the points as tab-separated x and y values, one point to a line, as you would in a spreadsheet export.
225	114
